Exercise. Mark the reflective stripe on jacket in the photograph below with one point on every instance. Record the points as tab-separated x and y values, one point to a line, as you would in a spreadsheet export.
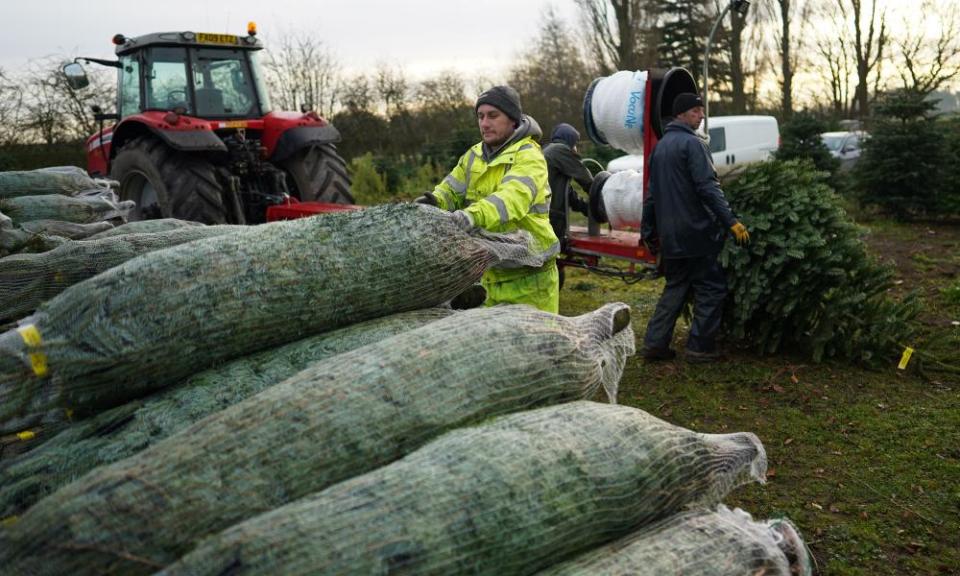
504	193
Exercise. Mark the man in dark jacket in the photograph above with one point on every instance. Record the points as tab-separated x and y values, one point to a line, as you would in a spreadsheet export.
685	217
564	165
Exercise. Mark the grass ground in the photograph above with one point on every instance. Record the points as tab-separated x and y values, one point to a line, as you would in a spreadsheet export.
866	463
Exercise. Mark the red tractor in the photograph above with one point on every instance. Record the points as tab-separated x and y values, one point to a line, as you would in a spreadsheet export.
196	138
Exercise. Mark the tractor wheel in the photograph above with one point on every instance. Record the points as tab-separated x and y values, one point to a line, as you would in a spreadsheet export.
166	183
319	174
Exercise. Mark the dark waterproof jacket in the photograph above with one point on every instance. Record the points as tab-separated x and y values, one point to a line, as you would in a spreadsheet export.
564	165
685	209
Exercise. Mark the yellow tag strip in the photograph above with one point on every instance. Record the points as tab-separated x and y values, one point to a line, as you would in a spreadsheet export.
31	337
26	435
9	521
907	353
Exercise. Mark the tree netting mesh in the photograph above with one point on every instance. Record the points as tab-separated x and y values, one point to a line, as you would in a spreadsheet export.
27	280
146	226
163	316
508	497
123	431
68	230
14	239
721	542
78	209
338	418
67	180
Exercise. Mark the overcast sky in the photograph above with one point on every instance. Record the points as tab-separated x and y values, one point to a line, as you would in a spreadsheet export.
423	36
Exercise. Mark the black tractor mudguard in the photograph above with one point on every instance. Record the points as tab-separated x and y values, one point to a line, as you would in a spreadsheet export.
192	141
300	137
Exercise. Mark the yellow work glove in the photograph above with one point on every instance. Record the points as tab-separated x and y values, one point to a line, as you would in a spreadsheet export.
740	233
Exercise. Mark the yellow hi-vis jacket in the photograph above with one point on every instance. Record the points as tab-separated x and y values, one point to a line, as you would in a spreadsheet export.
504	193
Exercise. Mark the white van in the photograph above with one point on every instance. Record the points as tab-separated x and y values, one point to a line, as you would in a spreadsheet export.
734	140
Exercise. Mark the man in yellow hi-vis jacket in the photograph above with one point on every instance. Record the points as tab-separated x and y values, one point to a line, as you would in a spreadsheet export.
500	184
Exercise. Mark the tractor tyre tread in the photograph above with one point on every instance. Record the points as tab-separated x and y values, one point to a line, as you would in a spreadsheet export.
319	174
188	188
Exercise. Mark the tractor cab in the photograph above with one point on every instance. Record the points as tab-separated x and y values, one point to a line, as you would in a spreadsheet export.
196	137
203	75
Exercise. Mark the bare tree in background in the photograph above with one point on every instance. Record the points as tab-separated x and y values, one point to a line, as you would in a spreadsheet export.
53	112
615	31
356	94
302	72
930	47
836	56
870	42
792	18
11	110
552	75
393	88
444	94
738	22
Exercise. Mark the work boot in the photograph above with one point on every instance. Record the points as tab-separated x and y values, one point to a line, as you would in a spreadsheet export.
694	357
656	354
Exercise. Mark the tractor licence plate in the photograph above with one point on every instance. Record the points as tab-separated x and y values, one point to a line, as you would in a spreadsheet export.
205	38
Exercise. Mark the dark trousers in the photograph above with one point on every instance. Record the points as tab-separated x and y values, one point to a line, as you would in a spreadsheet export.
702	275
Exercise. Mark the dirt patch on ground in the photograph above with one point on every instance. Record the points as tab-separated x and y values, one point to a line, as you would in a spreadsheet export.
927	260
920	252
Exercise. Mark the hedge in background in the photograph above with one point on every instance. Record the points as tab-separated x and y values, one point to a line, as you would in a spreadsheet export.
806	281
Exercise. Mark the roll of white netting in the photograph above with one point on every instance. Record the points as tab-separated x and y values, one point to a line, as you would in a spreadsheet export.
623	199
617	106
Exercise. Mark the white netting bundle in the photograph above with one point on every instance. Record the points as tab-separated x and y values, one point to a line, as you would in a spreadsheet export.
125	430
163	316
68	180
508	497
616	108
722	542
365	408
623	199
27	280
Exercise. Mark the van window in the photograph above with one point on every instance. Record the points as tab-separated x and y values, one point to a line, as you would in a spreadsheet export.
718	139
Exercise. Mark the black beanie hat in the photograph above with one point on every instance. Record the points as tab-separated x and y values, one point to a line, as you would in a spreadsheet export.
503	98
685	101
565	133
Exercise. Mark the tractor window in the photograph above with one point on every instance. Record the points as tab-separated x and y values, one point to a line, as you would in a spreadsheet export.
129	85
166	77
222	83
259	79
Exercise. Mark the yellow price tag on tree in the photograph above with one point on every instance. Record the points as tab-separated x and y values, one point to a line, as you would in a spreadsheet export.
907	353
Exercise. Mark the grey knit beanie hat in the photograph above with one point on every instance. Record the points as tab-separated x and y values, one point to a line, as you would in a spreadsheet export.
505	99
